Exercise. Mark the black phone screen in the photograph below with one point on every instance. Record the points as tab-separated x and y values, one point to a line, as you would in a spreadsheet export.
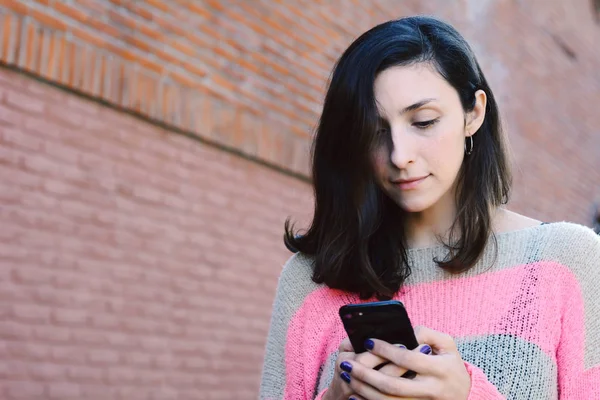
384	320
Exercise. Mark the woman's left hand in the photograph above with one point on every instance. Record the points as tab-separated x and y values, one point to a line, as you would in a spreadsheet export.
441	375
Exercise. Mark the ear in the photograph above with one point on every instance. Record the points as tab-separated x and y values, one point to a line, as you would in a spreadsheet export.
476	116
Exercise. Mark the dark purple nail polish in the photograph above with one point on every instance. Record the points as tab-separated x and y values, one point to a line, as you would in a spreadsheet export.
345	377
346	366
426	349
351	398
369	344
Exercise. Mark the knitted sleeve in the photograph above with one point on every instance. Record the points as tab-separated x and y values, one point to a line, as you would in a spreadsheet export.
578	354
481	388
282	373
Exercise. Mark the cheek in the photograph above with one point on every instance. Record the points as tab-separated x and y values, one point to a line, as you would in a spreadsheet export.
379	160
446	151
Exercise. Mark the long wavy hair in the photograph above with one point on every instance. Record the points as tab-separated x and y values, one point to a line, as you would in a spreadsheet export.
357	237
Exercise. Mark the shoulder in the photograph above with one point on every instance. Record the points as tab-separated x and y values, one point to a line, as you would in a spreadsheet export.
298	268
571	239
574	246
571	245
295	281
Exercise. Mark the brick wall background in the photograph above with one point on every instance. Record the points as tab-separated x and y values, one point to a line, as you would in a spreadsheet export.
134	263
150	152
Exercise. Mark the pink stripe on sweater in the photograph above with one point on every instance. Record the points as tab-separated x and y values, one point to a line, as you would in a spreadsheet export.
498	304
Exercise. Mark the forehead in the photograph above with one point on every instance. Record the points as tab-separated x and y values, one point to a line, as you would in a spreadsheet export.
399	87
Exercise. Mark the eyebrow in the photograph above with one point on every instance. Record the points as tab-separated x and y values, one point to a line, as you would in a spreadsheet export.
417	105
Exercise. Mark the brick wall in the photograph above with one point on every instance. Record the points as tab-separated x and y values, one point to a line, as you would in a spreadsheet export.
141	225
134	263
249	76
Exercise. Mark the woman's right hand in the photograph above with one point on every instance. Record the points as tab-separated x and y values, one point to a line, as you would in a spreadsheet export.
339	390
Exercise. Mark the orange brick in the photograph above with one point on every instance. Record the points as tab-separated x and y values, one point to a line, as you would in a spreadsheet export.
138	10
47	20
103	27
151	33
184	48
90	38
172	28
222	82
16	6
253	67
198	9
216	5
69	11
153	66
161	5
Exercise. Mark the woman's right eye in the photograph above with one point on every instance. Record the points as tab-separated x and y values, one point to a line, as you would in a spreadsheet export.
382	131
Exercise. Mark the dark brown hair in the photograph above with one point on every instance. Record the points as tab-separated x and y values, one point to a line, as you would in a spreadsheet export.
357	237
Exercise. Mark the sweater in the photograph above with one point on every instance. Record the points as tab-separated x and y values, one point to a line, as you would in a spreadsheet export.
526	317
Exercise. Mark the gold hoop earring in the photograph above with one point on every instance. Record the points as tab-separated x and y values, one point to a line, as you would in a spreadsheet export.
470	149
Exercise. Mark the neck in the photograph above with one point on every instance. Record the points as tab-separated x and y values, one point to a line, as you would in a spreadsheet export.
433	226
430	227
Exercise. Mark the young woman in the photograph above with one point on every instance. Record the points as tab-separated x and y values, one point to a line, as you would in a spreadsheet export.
410	173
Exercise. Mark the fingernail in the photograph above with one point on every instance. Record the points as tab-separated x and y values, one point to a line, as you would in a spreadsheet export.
345	377
426	349
346	366
351	398
369	344
400	346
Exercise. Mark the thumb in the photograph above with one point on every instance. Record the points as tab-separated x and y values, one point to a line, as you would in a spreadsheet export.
346	346
441	343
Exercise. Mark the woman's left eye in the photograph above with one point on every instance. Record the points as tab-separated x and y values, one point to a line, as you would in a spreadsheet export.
425	124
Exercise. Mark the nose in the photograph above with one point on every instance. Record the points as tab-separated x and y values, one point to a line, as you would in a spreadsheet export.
403	149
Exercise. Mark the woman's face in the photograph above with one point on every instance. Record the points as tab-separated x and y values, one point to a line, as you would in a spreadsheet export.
421	136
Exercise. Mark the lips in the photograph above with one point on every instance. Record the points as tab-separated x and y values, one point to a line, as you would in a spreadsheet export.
411	183
410	180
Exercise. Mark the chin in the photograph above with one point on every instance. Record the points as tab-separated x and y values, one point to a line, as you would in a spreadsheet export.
413	205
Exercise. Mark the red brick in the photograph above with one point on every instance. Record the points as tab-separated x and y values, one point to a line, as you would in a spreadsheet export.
61	152
9	116
48	372
99	392
24	102
27	351
70	355
50	333
183	380
24	390
89	337
31	313
117	339
64	391
13	370
103	357
105	321
63	116
149	377
139	359
153	343
121	376
21	139
84	374
27	275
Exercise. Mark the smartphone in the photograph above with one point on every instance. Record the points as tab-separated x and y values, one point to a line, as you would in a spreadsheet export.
384	320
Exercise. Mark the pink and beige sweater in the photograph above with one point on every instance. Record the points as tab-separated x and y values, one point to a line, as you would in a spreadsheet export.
527	322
